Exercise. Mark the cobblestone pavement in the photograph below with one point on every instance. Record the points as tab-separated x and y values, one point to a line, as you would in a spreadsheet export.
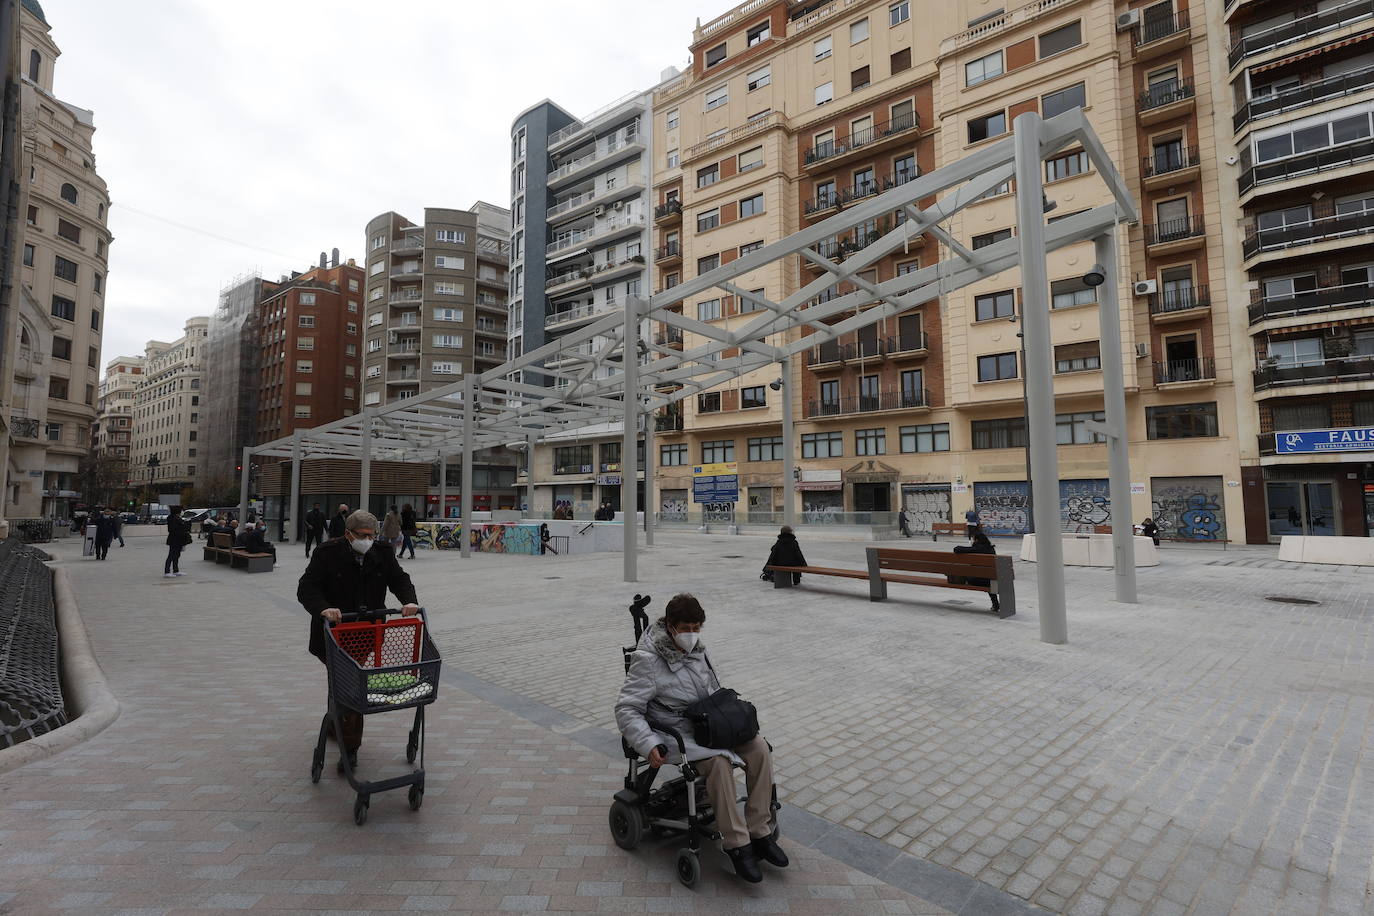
197	798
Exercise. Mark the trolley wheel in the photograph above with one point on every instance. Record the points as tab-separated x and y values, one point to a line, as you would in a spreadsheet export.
360	810
411	748
688	867
627	825
416	796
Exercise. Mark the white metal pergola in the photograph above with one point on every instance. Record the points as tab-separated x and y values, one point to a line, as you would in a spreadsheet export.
592	382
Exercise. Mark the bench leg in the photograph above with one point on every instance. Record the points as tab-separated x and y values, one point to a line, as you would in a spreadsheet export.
1005	584
877	588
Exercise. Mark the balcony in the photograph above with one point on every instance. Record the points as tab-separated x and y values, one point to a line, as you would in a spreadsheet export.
1302	96
1299	29
24	427
410	245
403	377
669	254
869	403
835	150
405	298
1314	302
858	191
668	422
1186	372
1166	100
561	136
404	349
617	147
1171	166
903	346
1175	235
491	329
586	202
407	322
666	214
1313	163
1180	305
407	273
564	282
669	337
571	242
1323	229
907	346
1161	34
1316	372
579	313
743	132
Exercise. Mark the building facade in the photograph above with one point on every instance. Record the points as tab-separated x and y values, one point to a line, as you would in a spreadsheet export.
311	336
165	453
233	384
112	434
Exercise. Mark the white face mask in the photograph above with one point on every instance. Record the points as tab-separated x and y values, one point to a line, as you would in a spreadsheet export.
361	545
686	641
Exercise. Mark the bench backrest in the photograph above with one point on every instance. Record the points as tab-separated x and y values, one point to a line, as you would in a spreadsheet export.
949	527
222	541
971	565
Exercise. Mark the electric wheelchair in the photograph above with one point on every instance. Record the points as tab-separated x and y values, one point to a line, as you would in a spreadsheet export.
676	807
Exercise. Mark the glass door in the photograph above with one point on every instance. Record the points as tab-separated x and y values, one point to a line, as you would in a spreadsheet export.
1302	508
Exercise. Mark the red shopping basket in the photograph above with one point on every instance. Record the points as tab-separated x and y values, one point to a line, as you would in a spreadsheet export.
389	664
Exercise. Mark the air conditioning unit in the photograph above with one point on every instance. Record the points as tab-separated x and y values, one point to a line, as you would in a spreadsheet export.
1145	287
1128	20
619	205
1142	350
599	211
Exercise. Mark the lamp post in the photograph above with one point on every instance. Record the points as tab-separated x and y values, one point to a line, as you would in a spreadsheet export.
153	464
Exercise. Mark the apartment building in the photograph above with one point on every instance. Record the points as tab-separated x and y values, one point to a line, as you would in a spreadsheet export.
794	111
112	434
1301	80
167	409
233	382
580	237
65	252
311	336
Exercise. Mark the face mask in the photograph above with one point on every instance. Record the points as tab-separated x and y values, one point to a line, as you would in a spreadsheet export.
361	545
686	641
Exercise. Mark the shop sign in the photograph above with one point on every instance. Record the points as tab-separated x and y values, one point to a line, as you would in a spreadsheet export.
608	480
1310	441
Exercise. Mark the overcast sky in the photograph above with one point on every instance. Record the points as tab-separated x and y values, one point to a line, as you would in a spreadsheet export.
243	135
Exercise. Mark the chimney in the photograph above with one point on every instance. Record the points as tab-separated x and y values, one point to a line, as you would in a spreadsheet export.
334	258
322	261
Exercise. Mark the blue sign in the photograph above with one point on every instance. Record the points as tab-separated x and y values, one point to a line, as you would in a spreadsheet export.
1308	441
722	489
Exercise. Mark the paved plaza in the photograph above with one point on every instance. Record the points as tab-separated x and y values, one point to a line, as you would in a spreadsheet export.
1202	752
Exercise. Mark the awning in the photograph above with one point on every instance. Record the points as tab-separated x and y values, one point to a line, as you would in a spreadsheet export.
819	485
1293	58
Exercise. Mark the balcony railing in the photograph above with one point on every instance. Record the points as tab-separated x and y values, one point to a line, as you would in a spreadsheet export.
1321	160
859	138
1299	29
1157	28
1175	230
1180	301
743	132
1173	159
408	245
670	250
1301	96
858	191
1336	369
667	422
671	208
668	336
832	351
603	150
579	312
1165	93
1185	370
582	236
24	427
1328	299
405	297
868	403
1315	230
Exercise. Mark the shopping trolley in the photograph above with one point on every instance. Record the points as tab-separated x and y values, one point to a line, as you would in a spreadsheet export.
379	665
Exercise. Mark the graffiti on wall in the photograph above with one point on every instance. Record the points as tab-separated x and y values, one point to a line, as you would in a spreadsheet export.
718	512
673	508
1002	507
1084	505
504	539
1188	507
925	506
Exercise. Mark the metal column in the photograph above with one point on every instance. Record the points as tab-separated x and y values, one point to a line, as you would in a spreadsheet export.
789	466
529	476
365	468
1035	286
244	469
465	494
295	506
443	486
649	502
629	498
1114	397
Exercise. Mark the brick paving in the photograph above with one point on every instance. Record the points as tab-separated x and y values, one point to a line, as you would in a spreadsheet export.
198	798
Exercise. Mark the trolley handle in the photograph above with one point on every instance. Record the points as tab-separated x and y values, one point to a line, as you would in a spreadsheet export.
375	616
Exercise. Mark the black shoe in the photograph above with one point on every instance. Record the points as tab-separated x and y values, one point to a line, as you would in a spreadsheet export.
352	761
767	849
746	865
996	605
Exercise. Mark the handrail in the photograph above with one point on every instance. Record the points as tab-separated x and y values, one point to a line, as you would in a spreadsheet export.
1001	22
563	133
1321	228
1157	28
1331	157
614	144
1165	93
822	151
1185	370
1352	368
1175	160
579	236
1298	29
1180	300
1299	96
1175	230
868	403
859	191
1324	299
743	132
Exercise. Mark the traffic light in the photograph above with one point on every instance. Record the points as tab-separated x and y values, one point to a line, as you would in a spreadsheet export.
238	467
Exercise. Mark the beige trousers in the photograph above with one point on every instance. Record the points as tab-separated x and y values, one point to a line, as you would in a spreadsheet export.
736	829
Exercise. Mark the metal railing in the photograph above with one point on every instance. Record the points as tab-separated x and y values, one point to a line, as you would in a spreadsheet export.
24	427
1185	370
406	245
1181	300
1313	230
582	236
670	422
1327	299
1335	369
668	336
1322	160
1165	93
577	313
858	191
32	530
611	146
743	132
563	133
860	138
1298	29
1174	159
1175	230
670	250
868	403
1300	96
405	297
1157	28
833	351
586	197
670	208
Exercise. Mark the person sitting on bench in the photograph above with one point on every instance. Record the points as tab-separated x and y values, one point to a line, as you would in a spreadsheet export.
786	552
980	544
254	541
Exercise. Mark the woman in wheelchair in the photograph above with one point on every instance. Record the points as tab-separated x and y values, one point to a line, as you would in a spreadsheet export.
668	671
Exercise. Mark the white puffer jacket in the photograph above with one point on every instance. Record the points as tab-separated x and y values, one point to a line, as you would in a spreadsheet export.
662	682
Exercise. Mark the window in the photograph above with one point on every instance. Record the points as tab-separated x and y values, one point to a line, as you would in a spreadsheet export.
898	13
1181	421
375	320
352	284
444	368
858	31
375	294
821	49
822	445
1005	433
35	64
870	441
983	69
671	456
671	120
1305	416
758	34
1077	357
715	451
751	206
374	371
1061	39
708	310
450	261
928	437
1296	351
1064	100
350	371
69	192
63	308
749	248
305	321
1066	166
57	388
751	159
708	175
673	159
305	366
32	216
69	231
28	255
446	314
759	78
64	269
448	341
717	97
456	236
54	431
61	348
372	397
449	288
708	263
95	320
830	395
858	79
752	397
901	60
990	238
305	343
824	93
307	299
994	305
350	349
993	125
304	389
376	267
715	56
1311	134
92	357
765	448
996	366
1072	428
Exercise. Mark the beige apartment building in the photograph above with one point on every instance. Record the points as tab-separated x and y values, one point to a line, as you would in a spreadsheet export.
167	409
793	111
112	434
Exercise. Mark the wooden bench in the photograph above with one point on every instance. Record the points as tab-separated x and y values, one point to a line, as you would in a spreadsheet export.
950	528
220	547
252	562
886	564
783	576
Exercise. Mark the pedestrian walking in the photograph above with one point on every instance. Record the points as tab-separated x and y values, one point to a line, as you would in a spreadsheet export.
785	552
408	529
903	523
337	524
973	521
1150	530
178	536
391	530
118	526
314	528
104	532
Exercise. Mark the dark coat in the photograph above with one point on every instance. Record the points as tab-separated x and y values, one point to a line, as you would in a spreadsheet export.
314	520
256	542
1150	530
786	552
178	532
336	527
973	548
335	578
105	528
408	521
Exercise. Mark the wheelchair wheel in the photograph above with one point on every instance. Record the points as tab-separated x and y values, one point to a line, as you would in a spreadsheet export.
688	867
627	825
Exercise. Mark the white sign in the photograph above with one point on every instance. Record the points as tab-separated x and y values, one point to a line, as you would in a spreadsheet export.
958	488
1233	483
1137	488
